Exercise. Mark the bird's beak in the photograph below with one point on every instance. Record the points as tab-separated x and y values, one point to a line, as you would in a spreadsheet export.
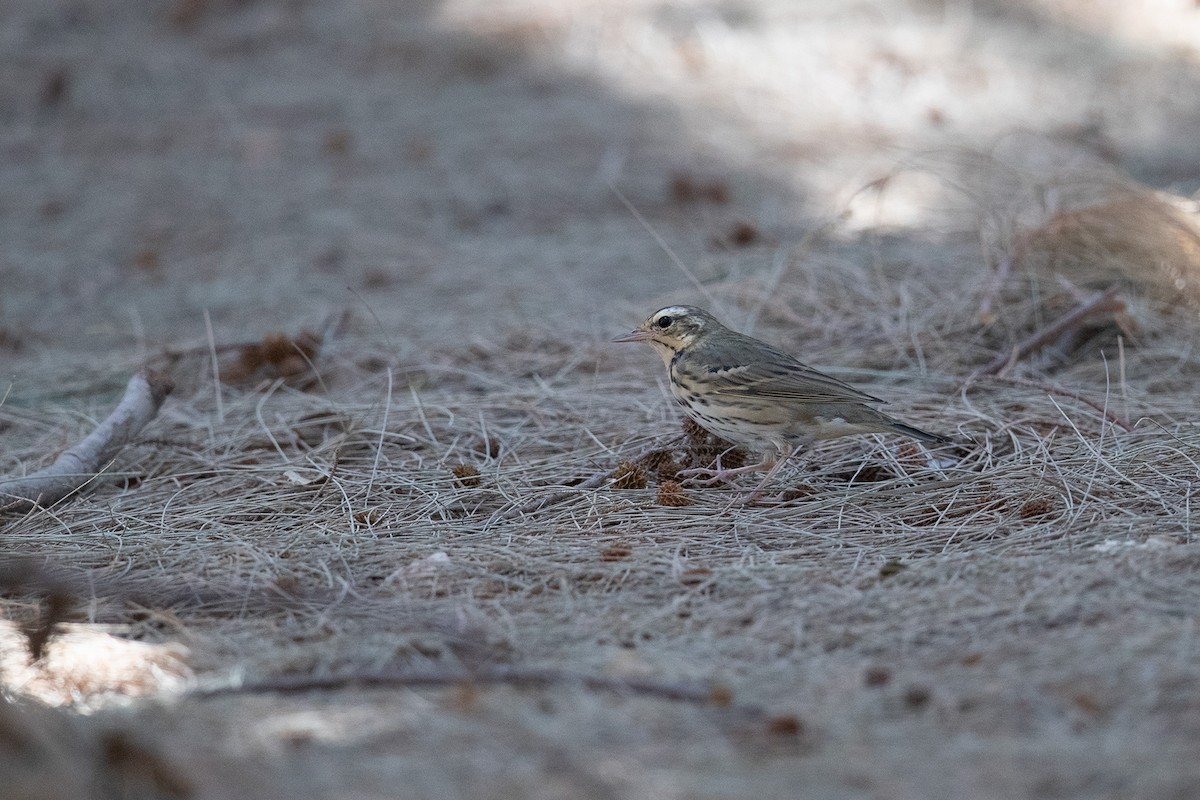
637	335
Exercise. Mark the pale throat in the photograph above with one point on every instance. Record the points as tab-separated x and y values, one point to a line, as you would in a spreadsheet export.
665	352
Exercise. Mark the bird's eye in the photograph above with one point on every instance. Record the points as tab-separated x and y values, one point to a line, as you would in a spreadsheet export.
664	322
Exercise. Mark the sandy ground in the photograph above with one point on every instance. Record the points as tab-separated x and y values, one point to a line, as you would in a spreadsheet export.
475	192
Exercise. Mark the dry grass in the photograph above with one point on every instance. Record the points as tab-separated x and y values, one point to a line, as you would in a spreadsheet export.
420	517
1147	239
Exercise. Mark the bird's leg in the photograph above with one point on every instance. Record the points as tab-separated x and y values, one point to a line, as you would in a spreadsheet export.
704	476
786	452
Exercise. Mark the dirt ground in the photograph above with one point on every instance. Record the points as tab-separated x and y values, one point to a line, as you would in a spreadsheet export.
373	242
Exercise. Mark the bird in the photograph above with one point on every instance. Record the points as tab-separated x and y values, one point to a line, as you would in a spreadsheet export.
749	393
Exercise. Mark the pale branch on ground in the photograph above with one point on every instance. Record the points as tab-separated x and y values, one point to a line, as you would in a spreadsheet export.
76	466
1106	302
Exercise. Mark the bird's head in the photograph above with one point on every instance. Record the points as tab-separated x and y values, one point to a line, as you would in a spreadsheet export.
671	329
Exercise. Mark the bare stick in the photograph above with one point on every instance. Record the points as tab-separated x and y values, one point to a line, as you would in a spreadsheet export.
525	678
1105	302
76	466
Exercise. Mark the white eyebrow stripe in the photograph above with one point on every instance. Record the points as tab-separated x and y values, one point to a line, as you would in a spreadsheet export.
673	311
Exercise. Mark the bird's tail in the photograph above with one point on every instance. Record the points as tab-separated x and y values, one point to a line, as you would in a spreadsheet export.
917	433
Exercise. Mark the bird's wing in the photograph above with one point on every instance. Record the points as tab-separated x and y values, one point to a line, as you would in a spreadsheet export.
781	377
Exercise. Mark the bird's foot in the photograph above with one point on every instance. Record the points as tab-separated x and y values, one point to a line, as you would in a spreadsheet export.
705	477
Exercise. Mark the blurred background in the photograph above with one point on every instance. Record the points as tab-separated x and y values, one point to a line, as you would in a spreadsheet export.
448	170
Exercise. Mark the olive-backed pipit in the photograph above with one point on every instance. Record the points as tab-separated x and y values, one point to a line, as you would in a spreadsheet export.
749	393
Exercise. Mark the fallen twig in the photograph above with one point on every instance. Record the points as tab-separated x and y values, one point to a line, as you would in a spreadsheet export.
1106	302
77	465
715	695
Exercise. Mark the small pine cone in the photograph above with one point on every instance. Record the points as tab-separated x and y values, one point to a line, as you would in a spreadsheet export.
629	475
1036	507
704	455
250	358
695	434
661	463
616	551
798	492
701	455
308	342
732	459
276	347
698	436
670	493
466	475
292	366
668	471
